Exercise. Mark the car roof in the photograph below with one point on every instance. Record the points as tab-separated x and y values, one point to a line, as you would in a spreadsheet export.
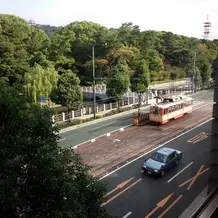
165	151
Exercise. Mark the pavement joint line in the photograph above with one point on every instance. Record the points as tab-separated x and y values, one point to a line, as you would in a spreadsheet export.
180	172
159	146
128	214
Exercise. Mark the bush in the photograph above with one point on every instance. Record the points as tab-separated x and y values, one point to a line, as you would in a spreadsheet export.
99	116
69	123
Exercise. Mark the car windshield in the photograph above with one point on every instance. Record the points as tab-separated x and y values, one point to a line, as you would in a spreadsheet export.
159	157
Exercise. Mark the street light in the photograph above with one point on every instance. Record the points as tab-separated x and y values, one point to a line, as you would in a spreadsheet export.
93	77
194	75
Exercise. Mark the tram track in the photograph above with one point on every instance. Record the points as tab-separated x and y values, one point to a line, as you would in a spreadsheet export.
109	153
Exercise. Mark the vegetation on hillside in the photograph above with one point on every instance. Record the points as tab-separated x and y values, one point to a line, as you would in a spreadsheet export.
164	55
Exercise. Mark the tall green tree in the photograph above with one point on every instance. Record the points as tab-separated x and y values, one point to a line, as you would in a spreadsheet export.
119	82
140	79
40	82
37	177
198	79
215	67
68	92
21	46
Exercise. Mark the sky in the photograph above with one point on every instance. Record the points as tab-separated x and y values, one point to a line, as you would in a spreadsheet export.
184	17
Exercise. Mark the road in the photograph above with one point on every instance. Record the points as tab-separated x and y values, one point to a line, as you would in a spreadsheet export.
168	196
77	136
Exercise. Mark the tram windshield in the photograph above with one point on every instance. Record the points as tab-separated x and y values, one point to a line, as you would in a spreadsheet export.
155	110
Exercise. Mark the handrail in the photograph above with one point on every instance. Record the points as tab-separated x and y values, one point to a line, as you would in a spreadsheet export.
205	203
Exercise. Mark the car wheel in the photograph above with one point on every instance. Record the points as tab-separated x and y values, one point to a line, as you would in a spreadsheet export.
177	163
162	173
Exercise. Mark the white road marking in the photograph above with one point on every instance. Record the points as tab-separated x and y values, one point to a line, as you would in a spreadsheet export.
203	106
99	127
195	103
180	172
156	148
128	214
62	139
75	146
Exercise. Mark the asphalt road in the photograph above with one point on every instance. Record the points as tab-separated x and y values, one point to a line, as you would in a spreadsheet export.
142	196
77	136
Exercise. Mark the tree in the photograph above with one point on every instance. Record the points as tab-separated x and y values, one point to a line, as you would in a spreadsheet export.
21	46
140	79
215	67
119	82
40	82
68	92
206	75
39	179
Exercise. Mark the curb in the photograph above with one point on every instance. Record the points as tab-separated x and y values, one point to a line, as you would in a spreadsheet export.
101	120
107	135
152	147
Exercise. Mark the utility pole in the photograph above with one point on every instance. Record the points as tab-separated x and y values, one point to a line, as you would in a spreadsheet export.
194	75
93	75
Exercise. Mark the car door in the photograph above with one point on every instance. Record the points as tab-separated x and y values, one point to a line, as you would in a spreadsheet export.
171	160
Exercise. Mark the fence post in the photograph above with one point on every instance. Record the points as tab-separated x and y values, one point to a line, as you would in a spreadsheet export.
63	116
53	118
111	106
96	108
128	101
90	110
104	107
81	112
72	114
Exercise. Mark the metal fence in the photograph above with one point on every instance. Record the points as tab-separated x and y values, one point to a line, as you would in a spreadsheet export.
127	102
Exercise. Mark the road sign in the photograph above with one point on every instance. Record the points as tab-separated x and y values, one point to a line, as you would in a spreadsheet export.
42	99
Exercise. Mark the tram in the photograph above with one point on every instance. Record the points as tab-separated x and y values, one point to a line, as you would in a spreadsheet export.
172	107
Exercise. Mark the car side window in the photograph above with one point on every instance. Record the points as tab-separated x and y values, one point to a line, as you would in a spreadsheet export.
171	157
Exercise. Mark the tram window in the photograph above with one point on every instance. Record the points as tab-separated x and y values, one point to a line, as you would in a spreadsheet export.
166	111
156	110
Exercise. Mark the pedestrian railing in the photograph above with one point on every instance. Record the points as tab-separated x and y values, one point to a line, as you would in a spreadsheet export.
88	109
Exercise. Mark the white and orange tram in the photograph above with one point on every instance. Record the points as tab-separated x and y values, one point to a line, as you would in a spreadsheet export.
172	107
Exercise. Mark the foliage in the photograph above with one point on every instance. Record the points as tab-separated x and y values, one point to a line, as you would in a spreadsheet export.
40	82
49	30
141	78
119	82
69	48
21	45
39	179
68	92
215	67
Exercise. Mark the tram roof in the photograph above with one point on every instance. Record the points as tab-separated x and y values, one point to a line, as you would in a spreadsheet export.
174	98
